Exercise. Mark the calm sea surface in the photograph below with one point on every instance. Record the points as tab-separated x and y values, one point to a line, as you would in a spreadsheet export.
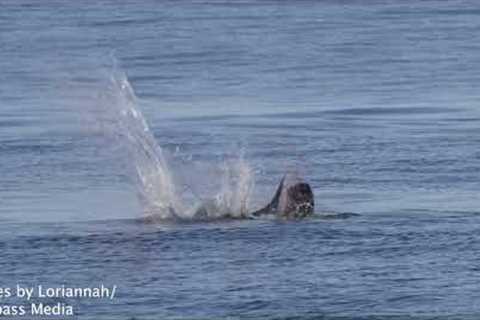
376	105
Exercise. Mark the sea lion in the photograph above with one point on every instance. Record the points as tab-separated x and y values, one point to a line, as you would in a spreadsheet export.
292	200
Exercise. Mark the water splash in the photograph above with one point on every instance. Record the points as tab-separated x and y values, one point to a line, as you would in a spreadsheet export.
157	186
237	185
153	179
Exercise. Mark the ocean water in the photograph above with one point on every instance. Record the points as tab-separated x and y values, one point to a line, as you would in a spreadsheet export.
112	110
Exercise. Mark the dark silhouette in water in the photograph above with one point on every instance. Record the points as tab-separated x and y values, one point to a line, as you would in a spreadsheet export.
291	200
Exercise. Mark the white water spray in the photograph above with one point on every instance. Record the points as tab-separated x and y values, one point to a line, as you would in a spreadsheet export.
154	179
237	186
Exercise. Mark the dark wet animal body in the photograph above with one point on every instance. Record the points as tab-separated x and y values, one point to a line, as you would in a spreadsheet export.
291	200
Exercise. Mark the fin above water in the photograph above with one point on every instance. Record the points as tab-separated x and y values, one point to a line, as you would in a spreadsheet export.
291	200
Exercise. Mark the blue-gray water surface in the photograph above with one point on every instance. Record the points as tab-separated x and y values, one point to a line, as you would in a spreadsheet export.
376	105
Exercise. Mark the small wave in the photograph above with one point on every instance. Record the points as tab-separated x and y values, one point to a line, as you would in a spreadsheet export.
335	215
15	123
390	111
158	219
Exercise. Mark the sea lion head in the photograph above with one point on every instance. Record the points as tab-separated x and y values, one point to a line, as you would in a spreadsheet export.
297	201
